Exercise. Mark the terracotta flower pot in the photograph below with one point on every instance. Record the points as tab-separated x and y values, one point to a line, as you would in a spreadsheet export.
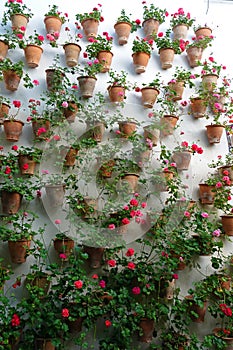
26	164
11	202
52	24
53	79
44	344
96	131
122	30
198	107
227	339
105	58
4	110
140	61
33	55
194	55
95	256
182	160
40	124
55	194
200	311
168	124
147	329
90	27
226	169
18	20
64	246
11	80
206	193
87	86
203	31
177	90
209	81
13	129
70	112
116	93
106	168
227	224
131	180
3	49
180	31
150	27
151	133
72	52
149	96
127	128
166	56
18	250
214	133
70	157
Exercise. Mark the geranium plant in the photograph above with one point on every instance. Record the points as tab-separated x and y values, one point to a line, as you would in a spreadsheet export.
180	17
96	14
210	66
54	11
9	39
183	75
90	69
202	42
35	39
142	45
157	13
185	147
17	67
72	37
119	79
15	7
164	41
125	18
100	43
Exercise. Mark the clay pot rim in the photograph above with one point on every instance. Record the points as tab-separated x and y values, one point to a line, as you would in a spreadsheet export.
88	19
148	54
202	27
148	19
86	76
34	45
13	120
166	48
46	17
170	116
106	51
150	88
128	122
210	74
124	22
181	24
20	14
215	125
75	44
226	215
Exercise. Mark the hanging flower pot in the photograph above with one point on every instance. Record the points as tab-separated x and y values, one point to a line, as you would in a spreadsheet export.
13	129
149	96
166	176
44	344
3	49
106	168
214	133
64	246
203	31
95	256
18	20
122	30
105	58
90	27
11	80
209	81
70	157
4	110
150	27
168	124
180	31
40	281
11	202
53	79
218	332
87	86
198	107
194	55
96	131
33	55
199	310
182	159
18	250
127	128
207	193
71	111
116	93
52	24
177	89
227	224
72	52
150	132
220	100
26	164
40	128
87	207
147	329
166	56
140	61
131	180
76	325
55	194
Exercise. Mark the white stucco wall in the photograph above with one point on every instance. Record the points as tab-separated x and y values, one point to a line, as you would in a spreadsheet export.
218	17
